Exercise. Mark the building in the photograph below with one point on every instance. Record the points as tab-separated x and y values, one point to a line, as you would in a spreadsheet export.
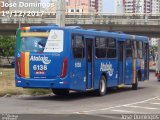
155	6
119	6
98	6
80	6
3	8
138	6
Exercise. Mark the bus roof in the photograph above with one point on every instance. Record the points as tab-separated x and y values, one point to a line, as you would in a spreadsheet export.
90	32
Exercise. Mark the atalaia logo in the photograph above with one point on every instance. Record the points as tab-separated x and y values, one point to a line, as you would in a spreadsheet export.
43	59
107	67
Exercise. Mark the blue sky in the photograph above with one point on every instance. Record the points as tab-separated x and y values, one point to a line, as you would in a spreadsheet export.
108	5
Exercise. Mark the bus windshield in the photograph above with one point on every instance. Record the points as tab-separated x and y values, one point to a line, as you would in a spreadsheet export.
33	44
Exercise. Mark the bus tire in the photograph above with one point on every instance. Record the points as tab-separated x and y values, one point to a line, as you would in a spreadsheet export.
60	92
139	76
135	85
102	86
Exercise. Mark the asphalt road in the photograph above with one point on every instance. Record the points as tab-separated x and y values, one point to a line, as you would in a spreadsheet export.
125	100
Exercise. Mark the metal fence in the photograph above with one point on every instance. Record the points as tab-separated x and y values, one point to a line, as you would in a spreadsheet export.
6	61
88	19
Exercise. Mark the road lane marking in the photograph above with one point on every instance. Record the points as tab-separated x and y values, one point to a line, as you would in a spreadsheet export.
107	116
102	109
158	98
131	103
155	103
142	107
125	111
81	113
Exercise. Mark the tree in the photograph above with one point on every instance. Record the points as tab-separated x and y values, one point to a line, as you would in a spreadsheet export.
7	46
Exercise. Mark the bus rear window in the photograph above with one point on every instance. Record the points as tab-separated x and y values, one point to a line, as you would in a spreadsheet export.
33	44
42	41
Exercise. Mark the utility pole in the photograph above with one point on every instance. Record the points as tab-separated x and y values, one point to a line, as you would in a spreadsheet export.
60	13
19	22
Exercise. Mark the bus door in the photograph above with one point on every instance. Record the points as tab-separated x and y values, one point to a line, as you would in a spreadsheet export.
128	61
89	62
134	59
121	62
79	63
146	60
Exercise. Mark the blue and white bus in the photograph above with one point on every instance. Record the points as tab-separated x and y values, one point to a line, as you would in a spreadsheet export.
71	58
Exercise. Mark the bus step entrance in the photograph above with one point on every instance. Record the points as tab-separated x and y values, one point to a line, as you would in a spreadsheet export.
91	89
121	86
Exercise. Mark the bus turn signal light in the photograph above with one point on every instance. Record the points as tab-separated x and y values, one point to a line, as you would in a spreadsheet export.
18	67
25	28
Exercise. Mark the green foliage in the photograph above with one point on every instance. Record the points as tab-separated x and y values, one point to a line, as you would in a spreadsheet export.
7	45
154	48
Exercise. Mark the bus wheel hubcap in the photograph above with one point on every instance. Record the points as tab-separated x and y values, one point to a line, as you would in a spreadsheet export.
102	86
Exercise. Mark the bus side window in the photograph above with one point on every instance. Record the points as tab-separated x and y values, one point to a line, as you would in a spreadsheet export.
111	48
134	49
128	49
139	49
101	45
78	46
144	51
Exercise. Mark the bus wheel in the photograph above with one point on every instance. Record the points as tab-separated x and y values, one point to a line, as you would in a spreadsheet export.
60	92
102	87
135	85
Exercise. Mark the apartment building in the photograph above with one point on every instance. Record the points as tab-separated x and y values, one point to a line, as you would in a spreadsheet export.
80	6
155	6
138	6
